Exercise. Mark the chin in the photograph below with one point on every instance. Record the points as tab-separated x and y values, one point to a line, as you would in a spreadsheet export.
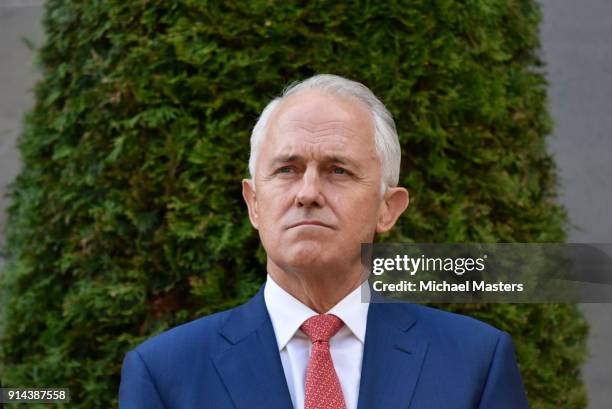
306	254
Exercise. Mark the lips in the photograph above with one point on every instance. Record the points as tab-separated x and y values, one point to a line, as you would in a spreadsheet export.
309	223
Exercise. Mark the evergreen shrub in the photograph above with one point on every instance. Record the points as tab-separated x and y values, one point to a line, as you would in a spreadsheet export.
127	217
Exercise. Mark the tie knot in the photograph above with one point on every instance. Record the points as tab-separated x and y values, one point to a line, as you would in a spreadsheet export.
321	327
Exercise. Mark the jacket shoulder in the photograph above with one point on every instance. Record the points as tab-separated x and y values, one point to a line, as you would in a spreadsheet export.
185	339
463	345
452	322
457	331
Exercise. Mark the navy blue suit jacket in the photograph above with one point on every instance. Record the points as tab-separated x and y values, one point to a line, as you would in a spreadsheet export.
414	357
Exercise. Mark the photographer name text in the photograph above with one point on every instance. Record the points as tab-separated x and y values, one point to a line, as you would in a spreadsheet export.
444	286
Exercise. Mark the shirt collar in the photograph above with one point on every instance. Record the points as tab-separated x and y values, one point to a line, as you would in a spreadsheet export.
288	313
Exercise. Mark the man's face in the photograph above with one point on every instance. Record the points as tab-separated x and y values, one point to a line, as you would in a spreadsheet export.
317	181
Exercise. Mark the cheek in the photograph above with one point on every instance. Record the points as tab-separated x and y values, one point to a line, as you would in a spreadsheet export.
360	214
271	208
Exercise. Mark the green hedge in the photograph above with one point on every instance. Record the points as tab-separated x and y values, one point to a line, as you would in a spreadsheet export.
127	217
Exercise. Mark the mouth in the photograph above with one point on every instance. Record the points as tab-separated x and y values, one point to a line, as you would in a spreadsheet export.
309	223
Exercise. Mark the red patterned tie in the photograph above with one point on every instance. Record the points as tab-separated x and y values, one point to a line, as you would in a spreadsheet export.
323	390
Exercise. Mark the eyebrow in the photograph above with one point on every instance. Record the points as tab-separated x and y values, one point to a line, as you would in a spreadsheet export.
278	160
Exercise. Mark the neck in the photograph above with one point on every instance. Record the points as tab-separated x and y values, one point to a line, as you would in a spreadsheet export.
318	290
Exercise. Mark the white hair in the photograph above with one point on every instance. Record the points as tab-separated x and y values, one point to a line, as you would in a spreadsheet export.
385	134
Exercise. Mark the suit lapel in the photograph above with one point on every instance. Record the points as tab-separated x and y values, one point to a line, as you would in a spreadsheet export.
249	361
392	358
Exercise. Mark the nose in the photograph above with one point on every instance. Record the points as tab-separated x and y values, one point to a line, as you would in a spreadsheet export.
310	194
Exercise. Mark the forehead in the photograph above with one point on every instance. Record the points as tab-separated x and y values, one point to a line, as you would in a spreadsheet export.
317	120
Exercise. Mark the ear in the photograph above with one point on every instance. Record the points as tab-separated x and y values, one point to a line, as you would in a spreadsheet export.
394	203
248	193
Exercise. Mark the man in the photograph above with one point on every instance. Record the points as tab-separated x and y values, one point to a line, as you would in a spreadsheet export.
324	167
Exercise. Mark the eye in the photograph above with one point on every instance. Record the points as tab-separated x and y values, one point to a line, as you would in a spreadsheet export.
339	171
284	169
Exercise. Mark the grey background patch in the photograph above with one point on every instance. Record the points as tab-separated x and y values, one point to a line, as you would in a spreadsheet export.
575	39
576	46
17	77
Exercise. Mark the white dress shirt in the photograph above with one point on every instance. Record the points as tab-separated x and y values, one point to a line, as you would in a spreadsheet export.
346	346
